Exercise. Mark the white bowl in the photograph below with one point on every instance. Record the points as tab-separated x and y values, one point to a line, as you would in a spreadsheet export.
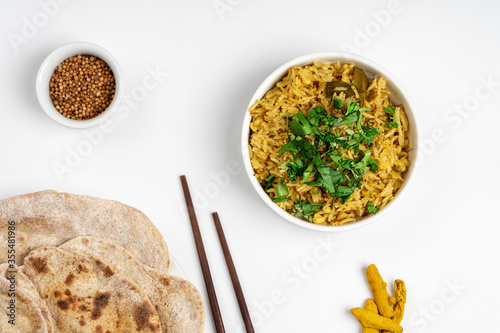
47	69
398	96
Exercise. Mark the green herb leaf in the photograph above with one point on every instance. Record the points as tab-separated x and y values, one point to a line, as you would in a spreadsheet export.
329	177
372	209
347	120
307	209
337	103
292	145
391	111
316	116
295	169
391	124
268	182
369	133
344	192
307	172
281	189
351	107
281	199
300	125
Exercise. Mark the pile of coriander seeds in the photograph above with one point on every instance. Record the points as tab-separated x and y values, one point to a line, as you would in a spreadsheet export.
82	87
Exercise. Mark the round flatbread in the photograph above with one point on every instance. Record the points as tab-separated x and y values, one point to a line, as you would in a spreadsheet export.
86	294
183	301
22	310
49	218
177	301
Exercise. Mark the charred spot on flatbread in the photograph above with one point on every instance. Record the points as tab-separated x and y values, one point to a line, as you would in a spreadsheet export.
63	305
70	279
105	269
165	281
142	317
40	264
101	300
82	268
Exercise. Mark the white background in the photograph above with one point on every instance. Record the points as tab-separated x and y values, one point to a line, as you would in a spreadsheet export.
441	239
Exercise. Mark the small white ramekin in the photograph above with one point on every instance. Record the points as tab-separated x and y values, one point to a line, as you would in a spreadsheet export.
398	96
47	69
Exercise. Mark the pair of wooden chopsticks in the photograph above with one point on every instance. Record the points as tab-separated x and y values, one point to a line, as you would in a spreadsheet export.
202	256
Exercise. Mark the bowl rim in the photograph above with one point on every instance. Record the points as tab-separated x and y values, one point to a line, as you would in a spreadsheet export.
56	57
333	56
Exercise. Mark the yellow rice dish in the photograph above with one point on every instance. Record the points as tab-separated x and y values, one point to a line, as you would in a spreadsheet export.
327	144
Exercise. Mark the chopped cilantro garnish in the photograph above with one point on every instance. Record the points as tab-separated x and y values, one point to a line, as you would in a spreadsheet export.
392	114
281	199
337	103
329	178
344	192
369	134
371	207
350	119
316	147
300	125
307	173
391	111
306	209
268	182
281	189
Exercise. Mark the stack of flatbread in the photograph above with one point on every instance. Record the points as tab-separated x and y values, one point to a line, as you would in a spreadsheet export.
84	264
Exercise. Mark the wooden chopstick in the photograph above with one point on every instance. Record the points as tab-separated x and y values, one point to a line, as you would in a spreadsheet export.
234	276
202	256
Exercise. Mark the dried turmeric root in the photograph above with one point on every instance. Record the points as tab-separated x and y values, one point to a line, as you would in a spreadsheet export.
399	308
373	320
379	292
372	307
383	313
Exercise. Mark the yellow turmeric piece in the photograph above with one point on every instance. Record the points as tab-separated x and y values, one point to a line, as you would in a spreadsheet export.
383	313
379	292
399	308
372	320
372	307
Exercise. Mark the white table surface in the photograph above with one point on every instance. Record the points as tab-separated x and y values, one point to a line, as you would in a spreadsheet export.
442	239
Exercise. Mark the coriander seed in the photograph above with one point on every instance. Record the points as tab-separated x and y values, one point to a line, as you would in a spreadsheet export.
82	87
